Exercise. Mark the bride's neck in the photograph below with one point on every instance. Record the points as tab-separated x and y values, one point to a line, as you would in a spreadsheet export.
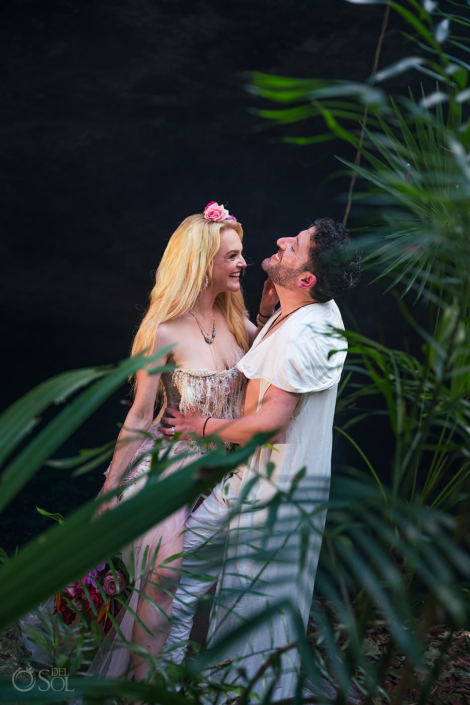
204	303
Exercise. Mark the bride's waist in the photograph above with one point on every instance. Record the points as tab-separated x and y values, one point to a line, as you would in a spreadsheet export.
157	427
179	450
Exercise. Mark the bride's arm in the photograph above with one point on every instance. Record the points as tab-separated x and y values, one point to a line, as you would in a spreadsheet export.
252	331
269	299
138	420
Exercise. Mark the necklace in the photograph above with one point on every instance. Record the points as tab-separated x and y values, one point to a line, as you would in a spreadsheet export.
208	338
282	318
211	341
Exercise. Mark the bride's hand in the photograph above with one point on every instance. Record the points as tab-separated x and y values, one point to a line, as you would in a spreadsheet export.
269	298
174	421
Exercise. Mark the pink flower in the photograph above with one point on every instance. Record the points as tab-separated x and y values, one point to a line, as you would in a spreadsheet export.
215	212
110	584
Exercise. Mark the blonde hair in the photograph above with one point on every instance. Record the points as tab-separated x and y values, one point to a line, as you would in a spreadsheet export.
180	277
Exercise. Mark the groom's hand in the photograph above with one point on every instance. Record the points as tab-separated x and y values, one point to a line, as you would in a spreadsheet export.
173	421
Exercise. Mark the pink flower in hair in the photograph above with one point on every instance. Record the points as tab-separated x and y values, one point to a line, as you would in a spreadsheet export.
215	212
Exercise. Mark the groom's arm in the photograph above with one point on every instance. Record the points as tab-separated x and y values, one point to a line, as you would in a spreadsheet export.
275	412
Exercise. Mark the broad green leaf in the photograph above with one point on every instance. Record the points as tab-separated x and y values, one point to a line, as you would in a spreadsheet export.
65	552
20	418
47	441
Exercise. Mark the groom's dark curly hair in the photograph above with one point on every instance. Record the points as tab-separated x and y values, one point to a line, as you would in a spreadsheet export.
336	266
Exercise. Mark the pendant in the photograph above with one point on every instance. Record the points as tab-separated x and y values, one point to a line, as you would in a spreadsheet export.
209	341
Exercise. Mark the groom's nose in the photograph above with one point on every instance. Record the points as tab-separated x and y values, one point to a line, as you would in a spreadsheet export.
282	243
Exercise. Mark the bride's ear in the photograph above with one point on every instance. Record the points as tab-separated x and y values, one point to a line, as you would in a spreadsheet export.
307	280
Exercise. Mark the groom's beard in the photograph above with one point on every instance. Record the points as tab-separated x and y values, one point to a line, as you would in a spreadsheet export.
279	274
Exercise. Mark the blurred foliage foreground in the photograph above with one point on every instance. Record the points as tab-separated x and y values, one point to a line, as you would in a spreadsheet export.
391	600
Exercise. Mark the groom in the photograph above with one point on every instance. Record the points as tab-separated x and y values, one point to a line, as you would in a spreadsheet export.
272	542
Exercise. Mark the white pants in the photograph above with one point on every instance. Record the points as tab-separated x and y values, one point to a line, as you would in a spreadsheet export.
245	586
204	544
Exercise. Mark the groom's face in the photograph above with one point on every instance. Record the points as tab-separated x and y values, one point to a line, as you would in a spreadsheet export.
287	264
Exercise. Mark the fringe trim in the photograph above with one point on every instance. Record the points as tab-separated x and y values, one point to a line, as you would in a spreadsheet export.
212	394
219	395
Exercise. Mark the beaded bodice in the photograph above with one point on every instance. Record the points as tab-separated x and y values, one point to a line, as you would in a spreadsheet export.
218	394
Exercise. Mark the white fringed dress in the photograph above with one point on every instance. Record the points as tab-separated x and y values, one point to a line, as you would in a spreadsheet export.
219	394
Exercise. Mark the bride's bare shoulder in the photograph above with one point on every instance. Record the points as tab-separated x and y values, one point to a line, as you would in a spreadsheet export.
169	332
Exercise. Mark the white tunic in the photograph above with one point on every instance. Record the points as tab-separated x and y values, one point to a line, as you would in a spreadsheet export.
272	555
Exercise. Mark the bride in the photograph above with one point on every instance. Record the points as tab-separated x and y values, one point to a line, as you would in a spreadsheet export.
196	307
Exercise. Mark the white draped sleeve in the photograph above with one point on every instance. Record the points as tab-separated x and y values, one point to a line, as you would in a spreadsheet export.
305	355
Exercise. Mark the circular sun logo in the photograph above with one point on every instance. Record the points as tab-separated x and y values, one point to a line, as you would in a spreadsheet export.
23	679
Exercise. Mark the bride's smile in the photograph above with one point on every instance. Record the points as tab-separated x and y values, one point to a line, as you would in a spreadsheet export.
228	262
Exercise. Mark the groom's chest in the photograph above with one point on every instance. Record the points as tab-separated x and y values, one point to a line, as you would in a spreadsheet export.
250	405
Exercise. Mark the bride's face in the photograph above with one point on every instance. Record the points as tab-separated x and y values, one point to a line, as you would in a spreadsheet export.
228	262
